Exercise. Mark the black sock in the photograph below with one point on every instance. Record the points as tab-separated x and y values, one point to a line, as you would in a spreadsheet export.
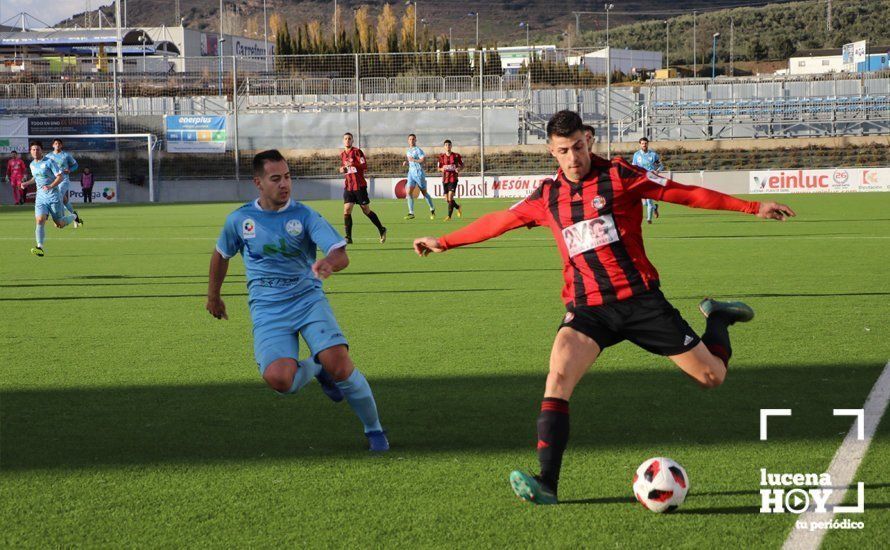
450	208
347	221
553	437
375	220
716	336
456	206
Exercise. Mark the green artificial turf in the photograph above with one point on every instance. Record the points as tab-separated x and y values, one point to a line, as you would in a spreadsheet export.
130	417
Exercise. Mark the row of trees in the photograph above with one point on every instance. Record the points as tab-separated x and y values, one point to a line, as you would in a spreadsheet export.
769	32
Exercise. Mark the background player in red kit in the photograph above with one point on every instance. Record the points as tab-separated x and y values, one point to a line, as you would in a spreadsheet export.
611	289
15	173
450	164
353	166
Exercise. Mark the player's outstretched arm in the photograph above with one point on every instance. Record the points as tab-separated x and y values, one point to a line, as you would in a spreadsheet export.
487	227
336	260
219	266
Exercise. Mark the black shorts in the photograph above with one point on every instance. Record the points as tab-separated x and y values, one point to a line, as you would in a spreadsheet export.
359	197
647	320
449	187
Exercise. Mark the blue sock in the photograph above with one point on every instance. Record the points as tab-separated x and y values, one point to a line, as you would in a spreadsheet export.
358	395
40	233
410	203
429	201
306	371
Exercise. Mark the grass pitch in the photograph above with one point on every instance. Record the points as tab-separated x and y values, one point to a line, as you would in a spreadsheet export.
130	417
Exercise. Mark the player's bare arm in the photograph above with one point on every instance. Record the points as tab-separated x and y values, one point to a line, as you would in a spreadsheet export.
335	261
219	266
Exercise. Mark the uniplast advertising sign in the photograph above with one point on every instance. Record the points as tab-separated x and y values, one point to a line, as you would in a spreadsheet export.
833	180
195	134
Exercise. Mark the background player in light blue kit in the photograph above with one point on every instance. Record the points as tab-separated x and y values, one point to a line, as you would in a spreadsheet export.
416	177
278	238
48	176
648	160
66	162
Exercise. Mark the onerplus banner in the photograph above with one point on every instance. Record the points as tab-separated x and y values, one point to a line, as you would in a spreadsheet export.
836	180
195	134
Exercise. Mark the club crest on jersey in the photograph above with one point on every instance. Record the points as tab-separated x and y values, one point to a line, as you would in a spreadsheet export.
655	178
293	227
248	229
599	202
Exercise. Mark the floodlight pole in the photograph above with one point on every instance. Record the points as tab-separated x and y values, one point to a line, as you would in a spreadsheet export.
714	56
608	7
266	36
119	40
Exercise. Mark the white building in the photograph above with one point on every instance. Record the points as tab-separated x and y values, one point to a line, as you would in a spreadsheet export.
875	58
514	57
621	60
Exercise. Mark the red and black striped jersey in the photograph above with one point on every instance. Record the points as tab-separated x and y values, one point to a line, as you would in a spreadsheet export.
452	164
353	159
597	225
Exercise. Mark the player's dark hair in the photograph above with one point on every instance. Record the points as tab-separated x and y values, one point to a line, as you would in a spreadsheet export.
59	140
448	141
644	138
260	160
415	137
37	143
348	134
589	128
564	124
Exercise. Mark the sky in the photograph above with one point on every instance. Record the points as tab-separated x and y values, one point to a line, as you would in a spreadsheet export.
49	11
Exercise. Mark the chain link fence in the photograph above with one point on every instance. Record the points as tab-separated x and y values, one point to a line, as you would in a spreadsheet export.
495	114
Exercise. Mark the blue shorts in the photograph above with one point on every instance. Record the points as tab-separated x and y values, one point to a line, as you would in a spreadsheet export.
276	327
53	208
417	179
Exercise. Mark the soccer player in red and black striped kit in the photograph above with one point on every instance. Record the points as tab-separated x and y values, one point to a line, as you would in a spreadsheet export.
450	164
353	166
611	290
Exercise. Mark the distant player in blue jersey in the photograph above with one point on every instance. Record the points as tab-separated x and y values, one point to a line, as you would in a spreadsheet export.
48	176
416	177
648	160
278	238
66	162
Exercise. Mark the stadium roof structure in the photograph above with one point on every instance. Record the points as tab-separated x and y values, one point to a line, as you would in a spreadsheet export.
72	37
839	51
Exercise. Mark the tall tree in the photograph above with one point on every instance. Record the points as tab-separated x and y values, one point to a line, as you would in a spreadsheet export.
386	30
363	28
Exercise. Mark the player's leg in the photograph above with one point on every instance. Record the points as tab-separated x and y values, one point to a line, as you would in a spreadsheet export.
329	347
648	204
426	195
276	351
347	215
61	216
708	362
454	202
449	198
40	216
366	210
572	355
410	196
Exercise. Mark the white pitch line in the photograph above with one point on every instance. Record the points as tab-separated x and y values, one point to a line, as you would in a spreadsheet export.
844	465
501	240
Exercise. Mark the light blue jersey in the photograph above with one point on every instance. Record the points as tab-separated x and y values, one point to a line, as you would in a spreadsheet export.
65	161
415	168
279	248
45	171
648	160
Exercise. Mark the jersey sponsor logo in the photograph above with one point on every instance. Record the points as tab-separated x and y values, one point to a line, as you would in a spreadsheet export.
271	249
248	229
351	170
599	202
293	227
655	178
590	234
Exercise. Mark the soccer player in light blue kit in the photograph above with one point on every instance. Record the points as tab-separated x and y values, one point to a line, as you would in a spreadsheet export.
66	162
48	176
416	176
278	238
648	160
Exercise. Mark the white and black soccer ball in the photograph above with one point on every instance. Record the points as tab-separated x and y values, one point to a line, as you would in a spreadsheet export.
660	484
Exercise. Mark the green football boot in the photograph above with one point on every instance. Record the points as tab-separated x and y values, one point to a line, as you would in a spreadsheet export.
530	489
409	217
737	312
37	251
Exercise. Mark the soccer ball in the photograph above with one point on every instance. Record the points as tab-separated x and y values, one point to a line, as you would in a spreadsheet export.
660	484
